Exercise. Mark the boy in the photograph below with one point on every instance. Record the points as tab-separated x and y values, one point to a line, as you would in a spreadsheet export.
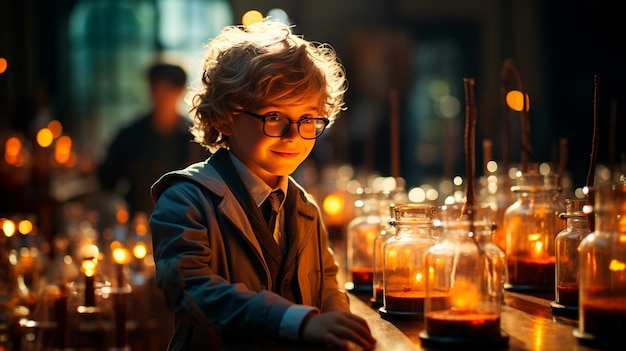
265	96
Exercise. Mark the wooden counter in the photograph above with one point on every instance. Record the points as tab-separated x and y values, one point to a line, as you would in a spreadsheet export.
528	320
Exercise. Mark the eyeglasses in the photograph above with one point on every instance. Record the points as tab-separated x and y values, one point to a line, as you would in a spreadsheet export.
276	126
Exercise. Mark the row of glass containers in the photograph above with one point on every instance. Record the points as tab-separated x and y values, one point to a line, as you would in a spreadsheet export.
546	249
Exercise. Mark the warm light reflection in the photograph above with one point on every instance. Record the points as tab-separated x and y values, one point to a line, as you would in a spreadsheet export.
3	65
121	215
140	250
617	265
8	227
63	149
464	296
44	137
89	267
25	226
121	255
333	205
55	127
515	100
12	151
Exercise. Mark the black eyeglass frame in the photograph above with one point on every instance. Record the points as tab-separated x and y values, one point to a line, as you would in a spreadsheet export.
263	118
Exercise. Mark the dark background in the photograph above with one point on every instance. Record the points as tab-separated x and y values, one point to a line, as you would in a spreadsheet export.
558	45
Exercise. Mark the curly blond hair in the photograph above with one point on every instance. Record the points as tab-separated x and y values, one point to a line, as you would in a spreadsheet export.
248	67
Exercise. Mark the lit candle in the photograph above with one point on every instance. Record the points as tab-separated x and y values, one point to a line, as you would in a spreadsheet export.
121	256
89	271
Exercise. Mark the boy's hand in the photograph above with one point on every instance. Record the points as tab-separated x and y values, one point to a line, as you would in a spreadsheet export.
338	329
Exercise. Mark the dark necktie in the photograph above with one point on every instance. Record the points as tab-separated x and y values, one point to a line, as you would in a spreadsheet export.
270	208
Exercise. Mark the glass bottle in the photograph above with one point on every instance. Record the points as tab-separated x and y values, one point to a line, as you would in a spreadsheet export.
465	281
361	232
566	273
378	278
602	267
403	261
531	225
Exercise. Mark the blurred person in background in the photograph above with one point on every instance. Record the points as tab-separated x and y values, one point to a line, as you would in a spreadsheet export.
158	142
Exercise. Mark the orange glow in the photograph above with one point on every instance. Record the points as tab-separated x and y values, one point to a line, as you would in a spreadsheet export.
115	245
8	227
464	296
121	255
333	204
515	100
56	128
25	226
44	137
121	215
3	65
63	150
89	267
250	17
141	228
13	146
140	250
617	265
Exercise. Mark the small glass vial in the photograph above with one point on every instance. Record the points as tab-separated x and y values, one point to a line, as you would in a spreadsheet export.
602	262
531	224
567	241
465	281
361	232
404	275
387	232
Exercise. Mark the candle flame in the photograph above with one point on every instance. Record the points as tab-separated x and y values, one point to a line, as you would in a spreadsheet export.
333	205
140	250
464	296
89	267
120	255
617	265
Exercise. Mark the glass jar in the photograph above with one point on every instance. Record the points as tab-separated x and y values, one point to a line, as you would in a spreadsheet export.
532	223
465	281
403	260
566	273
387	232
602	262
361	232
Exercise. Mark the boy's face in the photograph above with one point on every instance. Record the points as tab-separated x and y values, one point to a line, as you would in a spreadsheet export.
271	157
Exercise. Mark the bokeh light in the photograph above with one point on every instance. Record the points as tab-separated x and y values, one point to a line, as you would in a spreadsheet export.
250	17
515	100
44	137
3	65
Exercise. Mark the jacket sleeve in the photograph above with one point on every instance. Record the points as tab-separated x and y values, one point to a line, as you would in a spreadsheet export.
188	251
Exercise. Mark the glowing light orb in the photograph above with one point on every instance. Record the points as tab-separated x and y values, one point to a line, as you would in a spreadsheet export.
515	100
250	17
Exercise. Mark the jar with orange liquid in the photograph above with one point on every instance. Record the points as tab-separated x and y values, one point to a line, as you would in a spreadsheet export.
531	224
465	279
567	241
602	267
404	275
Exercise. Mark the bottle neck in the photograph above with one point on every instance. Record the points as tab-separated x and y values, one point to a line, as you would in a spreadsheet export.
579	222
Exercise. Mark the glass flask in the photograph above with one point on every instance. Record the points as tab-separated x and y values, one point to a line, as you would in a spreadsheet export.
531	224
602	267
566	273
403	260
465	281
387	232
361	232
